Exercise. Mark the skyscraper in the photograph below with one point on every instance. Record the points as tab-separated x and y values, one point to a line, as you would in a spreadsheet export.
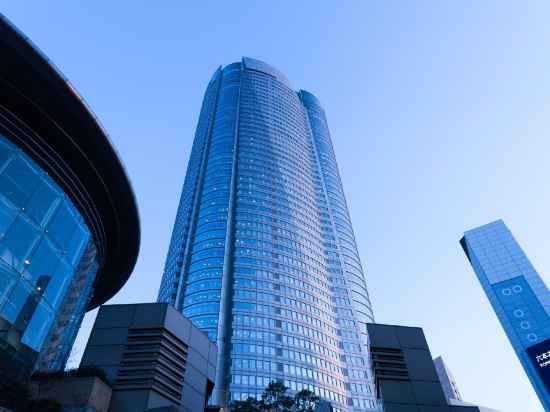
263	256
69	227
519	297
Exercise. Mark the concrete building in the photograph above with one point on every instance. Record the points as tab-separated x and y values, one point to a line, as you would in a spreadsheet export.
153	357
405	375
75	394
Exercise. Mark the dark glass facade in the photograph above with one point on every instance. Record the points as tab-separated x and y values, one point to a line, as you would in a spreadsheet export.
263	256
69	229
43	241
519	297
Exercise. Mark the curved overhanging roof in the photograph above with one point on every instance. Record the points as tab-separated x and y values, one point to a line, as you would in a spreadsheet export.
48	119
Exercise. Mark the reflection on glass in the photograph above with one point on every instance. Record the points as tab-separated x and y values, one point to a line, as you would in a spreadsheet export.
42	240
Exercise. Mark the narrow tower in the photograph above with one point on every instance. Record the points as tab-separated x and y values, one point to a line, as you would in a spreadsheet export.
263	256
518	296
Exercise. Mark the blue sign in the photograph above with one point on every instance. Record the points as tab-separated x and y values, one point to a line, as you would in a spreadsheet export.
539	355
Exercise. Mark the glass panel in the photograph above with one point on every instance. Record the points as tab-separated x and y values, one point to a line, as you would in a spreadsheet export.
43	203
7	216
38	327
8	278
62	226
58	284
12	191
17	245
77	244
6	153
24	175
42	262
17	298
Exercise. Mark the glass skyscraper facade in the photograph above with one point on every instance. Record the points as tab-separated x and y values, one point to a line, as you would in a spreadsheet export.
263	256
518	296
69	228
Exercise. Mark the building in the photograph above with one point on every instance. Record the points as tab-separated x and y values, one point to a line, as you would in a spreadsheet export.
263	256
73	393
405	375
518	296
153	357
69	227
447	380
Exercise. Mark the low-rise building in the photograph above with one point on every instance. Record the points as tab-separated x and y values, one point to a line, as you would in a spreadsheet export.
404	372
153	357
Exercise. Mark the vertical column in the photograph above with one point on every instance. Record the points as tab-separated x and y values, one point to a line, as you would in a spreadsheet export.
220	393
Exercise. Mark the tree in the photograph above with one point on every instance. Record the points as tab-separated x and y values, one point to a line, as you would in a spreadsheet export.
305	401
275	399
250	405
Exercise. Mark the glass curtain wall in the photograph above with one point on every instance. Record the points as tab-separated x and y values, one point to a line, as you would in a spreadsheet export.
263	256
43	240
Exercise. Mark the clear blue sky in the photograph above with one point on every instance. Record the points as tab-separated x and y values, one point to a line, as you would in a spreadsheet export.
439	113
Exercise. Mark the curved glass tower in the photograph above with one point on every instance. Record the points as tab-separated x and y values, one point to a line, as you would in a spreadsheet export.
263	256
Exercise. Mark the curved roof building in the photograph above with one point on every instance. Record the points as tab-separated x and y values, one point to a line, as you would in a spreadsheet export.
69	226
